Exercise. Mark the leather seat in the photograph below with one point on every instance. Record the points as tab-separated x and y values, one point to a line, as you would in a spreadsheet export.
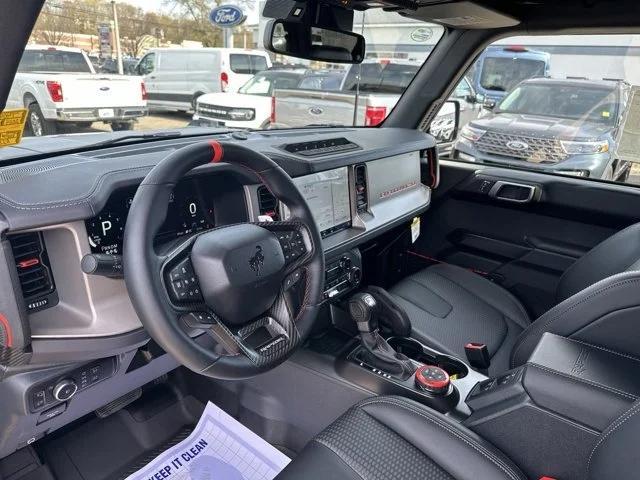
387	438
393	438
449	306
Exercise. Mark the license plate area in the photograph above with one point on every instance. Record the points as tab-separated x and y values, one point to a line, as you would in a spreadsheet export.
106	113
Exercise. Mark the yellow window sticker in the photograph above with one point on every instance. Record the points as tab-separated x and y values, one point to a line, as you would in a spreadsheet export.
12	126
606	114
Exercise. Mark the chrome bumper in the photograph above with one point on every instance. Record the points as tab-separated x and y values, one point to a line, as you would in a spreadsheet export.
92	115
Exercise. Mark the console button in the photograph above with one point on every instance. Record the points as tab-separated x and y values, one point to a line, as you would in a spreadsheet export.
65	389
39	399
432	379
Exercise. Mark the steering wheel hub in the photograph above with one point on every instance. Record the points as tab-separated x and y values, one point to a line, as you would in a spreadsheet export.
240	269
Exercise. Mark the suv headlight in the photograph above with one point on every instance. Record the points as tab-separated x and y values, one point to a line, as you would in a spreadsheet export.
472	133
241	113
578	148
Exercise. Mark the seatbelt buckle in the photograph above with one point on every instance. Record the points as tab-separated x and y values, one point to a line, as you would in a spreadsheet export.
478	355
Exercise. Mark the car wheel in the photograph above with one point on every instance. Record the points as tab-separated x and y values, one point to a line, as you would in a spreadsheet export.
121	126
39	125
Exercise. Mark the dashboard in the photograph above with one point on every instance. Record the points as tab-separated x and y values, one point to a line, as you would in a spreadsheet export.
58	210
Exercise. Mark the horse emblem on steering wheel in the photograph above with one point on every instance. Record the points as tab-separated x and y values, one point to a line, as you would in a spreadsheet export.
256	262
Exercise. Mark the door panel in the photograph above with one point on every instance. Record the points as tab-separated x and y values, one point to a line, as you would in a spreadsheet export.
523	246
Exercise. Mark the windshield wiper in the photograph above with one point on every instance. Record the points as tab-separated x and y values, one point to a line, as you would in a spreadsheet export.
138	136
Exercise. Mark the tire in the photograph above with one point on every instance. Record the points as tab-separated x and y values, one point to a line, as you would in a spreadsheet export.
121	126
39	125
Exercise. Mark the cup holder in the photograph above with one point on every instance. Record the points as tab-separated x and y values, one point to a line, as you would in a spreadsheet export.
416	351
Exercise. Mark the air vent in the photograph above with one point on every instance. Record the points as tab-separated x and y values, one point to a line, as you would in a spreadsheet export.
321	147
267	203
34	271
362	198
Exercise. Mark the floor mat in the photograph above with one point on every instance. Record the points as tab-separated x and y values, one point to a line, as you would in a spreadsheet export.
219	448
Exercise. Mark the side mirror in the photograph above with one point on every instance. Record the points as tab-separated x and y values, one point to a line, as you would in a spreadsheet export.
489	104
313	43
444	127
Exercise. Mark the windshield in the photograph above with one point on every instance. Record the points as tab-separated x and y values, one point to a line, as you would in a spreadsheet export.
504	73
155	66
568	100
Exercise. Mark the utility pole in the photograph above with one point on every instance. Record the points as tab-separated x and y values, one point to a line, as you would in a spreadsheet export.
116	32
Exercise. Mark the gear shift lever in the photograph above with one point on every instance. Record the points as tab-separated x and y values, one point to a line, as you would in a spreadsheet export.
378	353
362	308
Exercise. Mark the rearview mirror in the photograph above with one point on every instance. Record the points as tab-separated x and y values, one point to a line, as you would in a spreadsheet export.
313	43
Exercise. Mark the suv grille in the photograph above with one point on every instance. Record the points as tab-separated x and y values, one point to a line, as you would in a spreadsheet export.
538	150
218	112
213	111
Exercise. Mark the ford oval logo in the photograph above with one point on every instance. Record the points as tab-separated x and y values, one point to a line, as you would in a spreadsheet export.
227	16
517	145
315	111
104	89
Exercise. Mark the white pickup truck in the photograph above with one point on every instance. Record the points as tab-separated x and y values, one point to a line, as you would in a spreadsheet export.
59	84
379	83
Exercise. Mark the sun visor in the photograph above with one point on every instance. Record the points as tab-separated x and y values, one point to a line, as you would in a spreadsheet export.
461	15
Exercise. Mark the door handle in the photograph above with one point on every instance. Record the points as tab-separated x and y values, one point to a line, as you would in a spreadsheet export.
514	192
152	77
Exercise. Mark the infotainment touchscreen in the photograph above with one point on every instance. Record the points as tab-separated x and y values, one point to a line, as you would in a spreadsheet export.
327	194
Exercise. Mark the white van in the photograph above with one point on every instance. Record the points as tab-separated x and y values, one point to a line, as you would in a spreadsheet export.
176	77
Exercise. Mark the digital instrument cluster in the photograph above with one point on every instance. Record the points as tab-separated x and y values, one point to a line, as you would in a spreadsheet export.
189	211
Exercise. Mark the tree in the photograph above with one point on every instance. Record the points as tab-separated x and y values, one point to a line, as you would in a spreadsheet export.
54	25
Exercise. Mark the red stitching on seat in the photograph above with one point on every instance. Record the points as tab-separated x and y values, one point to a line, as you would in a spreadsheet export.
218	151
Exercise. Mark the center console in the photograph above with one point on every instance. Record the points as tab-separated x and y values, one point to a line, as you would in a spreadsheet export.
555	406
546	415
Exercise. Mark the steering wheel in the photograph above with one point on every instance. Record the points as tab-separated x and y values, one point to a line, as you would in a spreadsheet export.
238	283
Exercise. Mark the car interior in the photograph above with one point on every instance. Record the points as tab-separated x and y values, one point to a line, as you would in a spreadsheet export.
427	319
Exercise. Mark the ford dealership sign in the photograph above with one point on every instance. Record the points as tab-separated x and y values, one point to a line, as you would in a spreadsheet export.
227	16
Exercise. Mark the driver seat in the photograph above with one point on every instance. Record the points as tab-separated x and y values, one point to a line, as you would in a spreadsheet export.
394	438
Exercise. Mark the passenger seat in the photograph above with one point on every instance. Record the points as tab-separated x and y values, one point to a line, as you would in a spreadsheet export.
449	306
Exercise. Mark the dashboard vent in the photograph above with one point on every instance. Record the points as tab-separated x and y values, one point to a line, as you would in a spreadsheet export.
267	203
34	270
321	147
362	198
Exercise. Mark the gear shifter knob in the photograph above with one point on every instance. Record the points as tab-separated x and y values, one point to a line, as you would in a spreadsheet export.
362	308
